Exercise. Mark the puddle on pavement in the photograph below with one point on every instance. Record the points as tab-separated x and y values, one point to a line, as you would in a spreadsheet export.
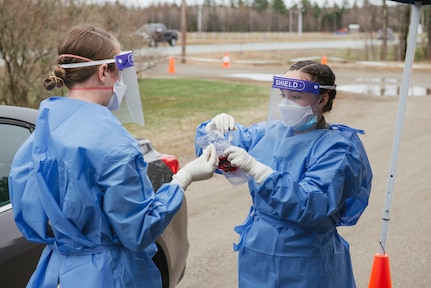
382	87
368	86
253	76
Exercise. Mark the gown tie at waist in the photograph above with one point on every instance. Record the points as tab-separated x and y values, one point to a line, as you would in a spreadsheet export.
243	229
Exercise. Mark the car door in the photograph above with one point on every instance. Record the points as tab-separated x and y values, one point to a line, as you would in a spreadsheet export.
18	257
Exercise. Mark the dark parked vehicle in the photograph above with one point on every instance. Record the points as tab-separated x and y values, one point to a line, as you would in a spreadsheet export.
19	257
155	33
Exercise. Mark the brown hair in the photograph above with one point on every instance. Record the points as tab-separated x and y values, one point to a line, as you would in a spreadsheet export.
321	74
85	41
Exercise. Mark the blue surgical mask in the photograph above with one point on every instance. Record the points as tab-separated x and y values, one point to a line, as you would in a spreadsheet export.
117	96
311	123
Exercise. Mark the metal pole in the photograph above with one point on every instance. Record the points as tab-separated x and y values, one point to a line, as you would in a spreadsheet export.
300	21
200	18
408	64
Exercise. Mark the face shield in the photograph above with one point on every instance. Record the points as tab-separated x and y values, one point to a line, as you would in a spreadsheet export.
130	110
294	102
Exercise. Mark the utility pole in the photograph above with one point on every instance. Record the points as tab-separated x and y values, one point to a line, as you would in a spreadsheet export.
200	18
183	30
300	10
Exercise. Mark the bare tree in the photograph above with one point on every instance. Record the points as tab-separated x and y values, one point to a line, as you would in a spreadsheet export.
405	23
279	9
384	51
30	31
183	30
428	31
26	35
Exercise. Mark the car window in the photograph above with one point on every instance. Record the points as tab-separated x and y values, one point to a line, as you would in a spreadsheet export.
12	136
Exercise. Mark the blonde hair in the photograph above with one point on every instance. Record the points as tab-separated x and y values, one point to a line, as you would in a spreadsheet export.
86	41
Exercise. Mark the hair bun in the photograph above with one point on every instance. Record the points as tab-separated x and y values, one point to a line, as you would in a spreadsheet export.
55	79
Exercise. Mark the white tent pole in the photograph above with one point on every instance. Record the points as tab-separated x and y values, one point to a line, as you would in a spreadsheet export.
404	90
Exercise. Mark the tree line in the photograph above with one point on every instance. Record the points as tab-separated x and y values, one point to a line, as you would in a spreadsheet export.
274	16
30	30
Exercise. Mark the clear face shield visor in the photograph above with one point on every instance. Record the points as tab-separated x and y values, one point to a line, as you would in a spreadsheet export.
288	111
130	110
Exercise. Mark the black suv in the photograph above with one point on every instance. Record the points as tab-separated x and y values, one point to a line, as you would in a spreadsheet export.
155	33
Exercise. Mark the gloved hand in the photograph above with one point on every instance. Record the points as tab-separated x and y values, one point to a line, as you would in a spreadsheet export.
201	168
222	122
238	157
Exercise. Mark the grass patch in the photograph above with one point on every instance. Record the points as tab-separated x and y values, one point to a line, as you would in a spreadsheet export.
181	104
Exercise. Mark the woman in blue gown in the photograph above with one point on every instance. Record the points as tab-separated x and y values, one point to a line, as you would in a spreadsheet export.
79	183
305	177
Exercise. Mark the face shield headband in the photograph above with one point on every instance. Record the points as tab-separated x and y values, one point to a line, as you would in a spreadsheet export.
130	110
280	84
298	85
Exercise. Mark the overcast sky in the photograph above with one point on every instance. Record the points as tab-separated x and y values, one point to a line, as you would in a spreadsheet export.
144	3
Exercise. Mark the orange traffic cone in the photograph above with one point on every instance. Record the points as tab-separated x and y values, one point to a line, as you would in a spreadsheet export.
324	60
380	274
226	60
171	69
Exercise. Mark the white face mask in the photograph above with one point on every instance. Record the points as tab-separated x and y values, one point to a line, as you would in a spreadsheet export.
296	116
117	96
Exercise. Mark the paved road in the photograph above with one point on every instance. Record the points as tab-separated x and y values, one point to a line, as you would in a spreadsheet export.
198	49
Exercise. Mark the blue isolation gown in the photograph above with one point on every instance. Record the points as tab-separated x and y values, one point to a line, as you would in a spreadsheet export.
321	180
79	185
